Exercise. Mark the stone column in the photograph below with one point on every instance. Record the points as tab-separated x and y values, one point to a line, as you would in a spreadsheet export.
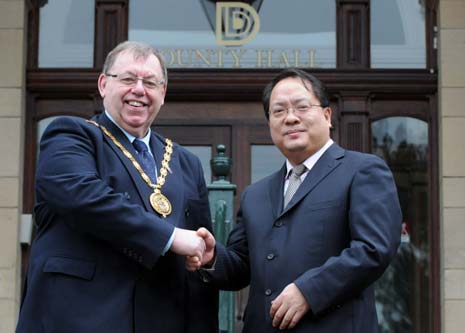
452	161
12	74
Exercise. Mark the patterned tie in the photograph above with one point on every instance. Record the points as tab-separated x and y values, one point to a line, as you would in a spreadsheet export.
145	159
294	182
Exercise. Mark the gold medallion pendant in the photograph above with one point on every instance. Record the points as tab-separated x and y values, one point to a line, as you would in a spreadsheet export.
160	204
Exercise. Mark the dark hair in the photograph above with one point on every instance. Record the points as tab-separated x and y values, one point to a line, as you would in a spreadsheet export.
316	86
139	50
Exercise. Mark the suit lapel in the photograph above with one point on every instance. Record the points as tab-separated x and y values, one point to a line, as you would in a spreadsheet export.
142	188
173	188
330	160
277	190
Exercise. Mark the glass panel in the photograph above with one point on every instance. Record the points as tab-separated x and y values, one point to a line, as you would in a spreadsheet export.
41	127
66	33
266	159
300	33
402	296
398	34
204	153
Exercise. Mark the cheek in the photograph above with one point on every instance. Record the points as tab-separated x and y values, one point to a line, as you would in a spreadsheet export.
312	123
114	96
153	113
157	97
274	131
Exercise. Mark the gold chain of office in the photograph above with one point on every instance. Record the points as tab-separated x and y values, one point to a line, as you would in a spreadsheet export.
159	202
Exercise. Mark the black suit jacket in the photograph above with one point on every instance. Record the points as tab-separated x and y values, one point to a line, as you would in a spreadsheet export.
96	264
334	239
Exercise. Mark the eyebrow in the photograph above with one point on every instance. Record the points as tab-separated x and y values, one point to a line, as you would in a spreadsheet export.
293	101
145	77
300	99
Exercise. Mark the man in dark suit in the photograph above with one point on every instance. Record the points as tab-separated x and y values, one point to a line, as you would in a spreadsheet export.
311	238
116	214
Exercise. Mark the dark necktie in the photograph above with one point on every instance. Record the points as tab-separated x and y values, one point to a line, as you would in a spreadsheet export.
294	182
145	159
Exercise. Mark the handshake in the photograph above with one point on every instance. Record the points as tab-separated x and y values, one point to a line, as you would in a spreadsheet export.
198	247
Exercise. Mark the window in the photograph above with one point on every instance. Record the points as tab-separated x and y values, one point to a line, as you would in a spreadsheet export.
398	34
266	159
66	33
300	33
402	296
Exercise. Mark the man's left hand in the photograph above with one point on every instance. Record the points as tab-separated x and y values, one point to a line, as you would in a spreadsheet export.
288	308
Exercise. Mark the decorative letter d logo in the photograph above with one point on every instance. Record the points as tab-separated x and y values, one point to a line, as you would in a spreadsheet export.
237	23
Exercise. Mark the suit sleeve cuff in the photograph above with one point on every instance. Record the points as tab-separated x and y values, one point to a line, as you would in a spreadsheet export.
169	243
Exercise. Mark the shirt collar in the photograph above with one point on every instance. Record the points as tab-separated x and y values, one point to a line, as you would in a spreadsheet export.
311	161
131	138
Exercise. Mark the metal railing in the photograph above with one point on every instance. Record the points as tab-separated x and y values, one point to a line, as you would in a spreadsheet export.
221	198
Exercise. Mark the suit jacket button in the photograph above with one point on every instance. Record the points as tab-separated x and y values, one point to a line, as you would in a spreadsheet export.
268	292
270	256
278	224
186	212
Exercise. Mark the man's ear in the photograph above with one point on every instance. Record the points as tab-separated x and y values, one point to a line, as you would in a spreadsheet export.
102	82
164	94
327	113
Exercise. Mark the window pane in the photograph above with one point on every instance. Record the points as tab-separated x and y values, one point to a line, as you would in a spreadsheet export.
300	33
398	34
204	153
402	296
266	159
41	127
66	33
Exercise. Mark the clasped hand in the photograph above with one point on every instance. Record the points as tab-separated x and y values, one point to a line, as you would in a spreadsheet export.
197	246
195	260
187	243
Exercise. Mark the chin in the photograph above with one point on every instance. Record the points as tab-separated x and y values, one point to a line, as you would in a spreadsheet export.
295	146
135	118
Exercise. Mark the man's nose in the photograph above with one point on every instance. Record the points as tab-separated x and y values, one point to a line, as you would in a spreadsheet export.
290	115
139	87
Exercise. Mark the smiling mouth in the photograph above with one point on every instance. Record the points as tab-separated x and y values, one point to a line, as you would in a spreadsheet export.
293	131
135	103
